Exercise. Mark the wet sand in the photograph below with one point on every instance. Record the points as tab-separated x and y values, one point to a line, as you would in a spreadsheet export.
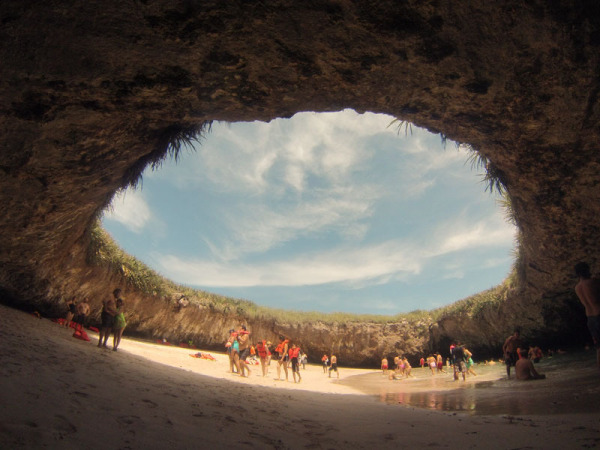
572	386
57	391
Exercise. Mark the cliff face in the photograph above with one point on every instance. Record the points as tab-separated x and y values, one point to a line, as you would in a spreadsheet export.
93	91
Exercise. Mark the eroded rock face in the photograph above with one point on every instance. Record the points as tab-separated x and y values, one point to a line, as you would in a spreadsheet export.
93	91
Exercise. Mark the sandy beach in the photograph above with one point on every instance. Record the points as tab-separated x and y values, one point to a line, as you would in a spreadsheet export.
58	391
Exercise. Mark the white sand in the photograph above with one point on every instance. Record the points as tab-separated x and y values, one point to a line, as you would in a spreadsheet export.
57	391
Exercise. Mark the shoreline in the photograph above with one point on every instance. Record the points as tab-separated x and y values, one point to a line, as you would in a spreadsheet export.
69	393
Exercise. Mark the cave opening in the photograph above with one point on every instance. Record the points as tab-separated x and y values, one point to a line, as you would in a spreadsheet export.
321	212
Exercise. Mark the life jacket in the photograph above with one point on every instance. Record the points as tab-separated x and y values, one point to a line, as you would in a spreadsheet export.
294	352
262	349
281	346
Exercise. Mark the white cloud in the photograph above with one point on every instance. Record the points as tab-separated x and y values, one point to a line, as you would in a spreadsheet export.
335	266
130	209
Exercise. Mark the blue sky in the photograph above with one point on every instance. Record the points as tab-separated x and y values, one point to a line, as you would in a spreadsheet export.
320	212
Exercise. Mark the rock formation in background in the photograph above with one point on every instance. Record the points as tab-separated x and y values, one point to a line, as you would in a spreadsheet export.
93	92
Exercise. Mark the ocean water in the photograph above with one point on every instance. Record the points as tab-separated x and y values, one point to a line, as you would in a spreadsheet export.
572	386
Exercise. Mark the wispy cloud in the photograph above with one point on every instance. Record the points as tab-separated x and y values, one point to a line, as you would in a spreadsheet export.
130	209
360	265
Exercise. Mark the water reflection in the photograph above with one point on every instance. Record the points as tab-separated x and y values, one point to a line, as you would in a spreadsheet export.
571	387
441	401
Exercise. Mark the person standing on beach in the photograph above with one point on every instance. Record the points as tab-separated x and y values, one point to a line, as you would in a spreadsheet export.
325	361
509	350
334	366
283	357
83	309
109	309
71	311
440	363
119	324
244	348
384	365
588	291
294	353
458	353
263	354
469	362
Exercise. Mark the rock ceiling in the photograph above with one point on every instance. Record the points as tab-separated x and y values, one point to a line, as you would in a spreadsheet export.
93	91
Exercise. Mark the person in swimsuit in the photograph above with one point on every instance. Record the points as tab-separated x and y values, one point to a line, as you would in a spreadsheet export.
119	324
109	310
509	350
384	365
334	366
524	369
407	367
470	363
440	363
588	292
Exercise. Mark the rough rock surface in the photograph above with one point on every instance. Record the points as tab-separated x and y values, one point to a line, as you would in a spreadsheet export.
91	92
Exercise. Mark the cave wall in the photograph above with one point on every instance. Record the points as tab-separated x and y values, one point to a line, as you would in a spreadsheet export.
93	91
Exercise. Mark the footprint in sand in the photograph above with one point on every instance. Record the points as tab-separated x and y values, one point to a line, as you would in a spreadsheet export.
150	403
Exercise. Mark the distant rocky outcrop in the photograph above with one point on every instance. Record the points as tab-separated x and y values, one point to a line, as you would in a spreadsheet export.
93	92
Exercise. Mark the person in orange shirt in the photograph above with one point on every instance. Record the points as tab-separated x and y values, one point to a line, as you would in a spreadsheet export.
263	354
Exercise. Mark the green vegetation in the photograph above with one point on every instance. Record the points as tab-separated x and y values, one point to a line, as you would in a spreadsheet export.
104	252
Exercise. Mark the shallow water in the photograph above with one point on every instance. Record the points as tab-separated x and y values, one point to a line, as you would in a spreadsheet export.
572	385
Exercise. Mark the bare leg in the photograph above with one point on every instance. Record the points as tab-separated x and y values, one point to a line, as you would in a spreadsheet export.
236	362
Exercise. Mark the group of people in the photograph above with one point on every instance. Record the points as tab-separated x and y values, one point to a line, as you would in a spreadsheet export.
521	357
112	318
287	354
330	365
400	369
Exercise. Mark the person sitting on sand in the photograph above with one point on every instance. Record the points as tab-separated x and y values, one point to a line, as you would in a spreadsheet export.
334	366
83	309
509	350
524	369
119	324
283	357
384	365
109	309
